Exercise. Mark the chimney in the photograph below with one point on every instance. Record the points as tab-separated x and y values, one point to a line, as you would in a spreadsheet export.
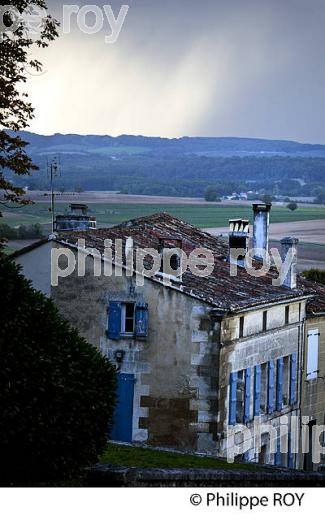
261	228
238	239
289	259
169	251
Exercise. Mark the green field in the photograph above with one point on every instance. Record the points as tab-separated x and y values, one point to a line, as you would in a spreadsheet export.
198	215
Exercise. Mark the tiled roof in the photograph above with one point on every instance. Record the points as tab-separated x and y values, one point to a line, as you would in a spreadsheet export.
316	305
221	290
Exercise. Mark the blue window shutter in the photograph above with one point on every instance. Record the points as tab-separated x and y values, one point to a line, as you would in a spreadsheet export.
293	378
141	320
257	391
277	456
290	454
114	320
270	390
232	398
279	383
247	401
246	456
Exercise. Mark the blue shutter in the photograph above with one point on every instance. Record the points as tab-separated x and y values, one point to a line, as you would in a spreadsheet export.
270	391
293	378
247	401
246	456
232	398
114	320
277	456
290	454
141	320
279	383
257	391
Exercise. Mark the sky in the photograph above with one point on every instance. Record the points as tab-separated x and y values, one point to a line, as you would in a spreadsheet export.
245	68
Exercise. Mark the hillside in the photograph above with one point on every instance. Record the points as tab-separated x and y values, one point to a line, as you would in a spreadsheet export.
183	167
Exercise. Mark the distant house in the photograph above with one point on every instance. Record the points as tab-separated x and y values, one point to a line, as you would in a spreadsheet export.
196	356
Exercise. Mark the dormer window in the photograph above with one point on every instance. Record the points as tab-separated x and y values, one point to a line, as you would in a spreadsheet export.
170	252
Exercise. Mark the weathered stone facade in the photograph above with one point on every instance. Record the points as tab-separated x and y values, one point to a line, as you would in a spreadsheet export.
202	335
313	392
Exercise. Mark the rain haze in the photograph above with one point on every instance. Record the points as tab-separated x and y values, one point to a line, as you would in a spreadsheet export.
246	68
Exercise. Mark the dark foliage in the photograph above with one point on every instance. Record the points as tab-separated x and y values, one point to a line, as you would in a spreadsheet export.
211	194
22	232
177	167
315	275
15	109
57	391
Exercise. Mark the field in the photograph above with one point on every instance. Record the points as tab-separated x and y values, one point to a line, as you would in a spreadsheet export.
200	215
307	222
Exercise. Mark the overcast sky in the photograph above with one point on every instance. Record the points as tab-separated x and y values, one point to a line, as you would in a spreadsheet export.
251	68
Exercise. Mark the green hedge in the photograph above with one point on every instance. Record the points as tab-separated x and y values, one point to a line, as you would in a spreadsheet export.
57	391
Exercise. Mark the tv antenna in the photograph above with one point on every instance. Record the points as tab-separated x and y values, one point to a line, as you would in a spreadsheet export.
53	170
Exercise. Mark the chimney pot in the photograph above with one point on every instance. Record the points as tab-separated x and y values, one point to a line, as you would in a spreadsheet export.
289	244
238	238
261	227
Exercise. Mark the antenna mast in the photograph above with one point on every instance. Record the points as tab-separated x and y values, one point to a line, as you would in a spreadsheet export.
53	170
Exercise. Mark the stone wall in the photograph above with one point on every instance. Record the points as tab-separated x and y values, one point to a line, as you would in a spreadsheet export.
115	476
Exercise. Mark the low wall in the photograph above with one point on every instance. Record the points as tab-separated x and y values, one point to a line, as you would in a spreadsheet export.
105	475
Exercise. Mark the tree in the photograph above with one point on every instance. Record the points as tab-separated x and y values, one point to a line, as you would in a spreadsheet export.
315	275
292	206
211	194
57	391
267	199
320	198
15	109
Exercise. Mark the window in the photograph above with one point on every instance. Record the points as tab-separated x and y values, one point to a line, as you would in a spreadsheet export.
287	315
293	378
127	323
282	382
264	321
279	384
257	390
240	394
312	354
270	387
263	388
127	319
285	380
241	326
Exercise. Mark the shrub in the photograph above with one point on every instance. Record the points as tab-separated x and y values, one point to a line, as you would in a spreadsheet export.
267	199
292	206
21	232
315	275
57	391
211	194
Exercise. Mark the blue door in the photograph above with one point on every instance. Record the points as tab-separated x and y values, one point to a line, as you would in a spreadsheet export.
122	422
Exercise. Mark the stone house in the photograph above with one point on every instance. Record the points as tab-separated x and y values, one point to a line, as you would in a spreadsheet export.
197	356
313	381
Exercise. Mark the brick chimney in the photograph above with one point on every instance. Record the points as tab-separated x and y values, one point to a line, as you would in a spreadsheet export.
238	239
289	249
261	227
